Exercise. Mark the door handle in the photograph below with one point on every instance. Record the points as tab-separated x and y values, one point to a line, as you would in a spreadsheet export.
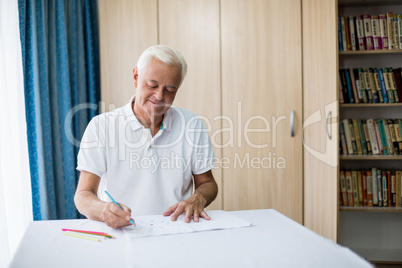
292	121
326	125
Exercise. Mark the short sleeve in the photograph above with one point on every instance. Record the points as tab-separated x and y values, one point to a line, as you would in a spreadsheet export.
203	158
92	153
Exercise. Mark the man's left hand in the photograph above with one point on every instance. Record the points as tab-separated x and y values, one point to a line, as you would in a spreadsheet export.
192	207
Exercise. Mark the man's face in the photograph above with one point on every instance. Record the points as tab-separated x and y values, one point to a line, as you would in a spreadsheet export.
156	85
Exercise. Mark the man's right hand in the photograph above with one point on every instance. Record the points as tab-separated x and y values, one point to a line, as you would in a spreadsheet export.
116	217
87	202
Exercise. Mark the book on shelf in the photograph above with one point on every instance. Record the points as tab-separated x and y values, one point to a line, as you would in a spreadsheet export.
398	81
353	83
370	32
372	187
390	28
347	34
398	179
398	135
349	87
363	193
352	32
367	137
388	86
393	187
393	84
390	144
384	189
352	136
360	187
355	187
341	100
379	188
383	31
349	187
395	28
373	85
389	180
392	133
378	135
378	85
367	85
348	136
343	31
344	146
357	137
340	34
370	136
344	193
383	137
369	188
365	149
383	86
375	25
399	16
361	82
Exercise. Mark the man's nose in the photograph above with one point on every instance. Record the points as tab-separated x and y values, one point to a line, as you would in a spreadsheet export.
159	93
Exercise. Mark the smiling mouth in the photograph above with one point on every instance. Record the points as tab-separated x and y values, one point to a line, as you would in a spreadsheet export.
157	103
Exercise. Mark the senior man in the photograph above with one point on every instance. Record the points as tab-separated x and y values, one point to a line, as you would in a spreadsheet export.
147	153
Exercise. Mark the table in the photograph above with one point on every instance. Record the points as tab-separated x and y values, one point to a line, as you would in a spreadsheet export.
274	241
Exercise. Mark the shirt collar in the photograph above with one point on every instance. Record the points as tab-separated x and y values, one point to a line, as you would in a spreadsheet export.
135	124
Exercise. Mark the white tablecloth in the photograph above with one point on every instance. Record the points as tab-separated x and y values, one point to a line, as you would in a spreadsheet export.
274	241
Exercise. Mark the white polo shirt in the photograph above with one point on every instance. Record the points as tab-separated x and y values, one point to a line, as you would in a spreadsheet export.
148	174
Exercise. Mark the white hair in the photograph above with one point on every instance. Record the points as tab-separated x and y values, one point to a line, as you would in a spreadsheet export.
165	54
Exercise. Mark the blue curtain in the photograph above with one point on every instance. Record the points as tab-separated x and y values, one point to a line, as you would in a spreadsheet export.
60	52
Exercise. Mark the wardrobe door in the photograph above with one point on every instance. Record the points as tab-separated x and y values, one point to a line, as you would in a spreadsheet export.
320	110
262	100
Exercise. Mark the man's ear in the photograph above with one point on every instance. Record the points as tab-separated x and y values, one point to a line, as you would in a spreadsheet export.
135	77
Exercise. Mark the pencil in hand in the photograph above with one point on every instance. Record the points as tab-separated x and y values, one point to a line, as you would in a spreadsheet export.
111	198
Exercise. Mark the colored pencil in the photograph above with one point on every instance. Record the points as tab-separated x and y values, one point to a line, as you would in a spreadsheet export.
89	232
89	235
82	236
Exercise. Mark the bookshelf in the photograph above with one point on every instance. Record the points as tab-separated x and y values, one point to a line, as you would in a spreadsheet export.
371	209
369	105
370	157
372	232
369	52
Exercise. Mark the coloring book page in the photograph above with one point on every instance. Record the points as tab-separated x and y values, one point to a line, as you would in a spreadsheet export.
154	225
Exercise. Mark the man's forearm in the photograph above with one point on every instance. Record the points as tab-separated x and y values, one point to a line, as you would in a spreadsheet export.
89	205
208	191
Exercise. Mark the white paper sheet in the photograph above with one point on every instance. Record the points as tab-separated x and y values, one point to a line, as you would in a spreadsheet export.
159	225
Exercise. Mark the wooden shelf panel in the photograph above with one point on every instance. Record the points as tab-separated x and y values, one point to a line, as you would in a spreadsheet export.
372	209
370	157
380	255
365	3
371	105
370	52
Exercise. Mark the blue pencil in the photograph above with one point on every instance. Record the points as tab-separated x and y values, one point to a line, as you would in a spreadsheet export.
131	220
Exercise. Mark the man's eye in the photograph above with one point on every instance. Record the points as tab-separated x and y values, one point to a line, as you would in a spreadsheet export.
153	86
170	89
